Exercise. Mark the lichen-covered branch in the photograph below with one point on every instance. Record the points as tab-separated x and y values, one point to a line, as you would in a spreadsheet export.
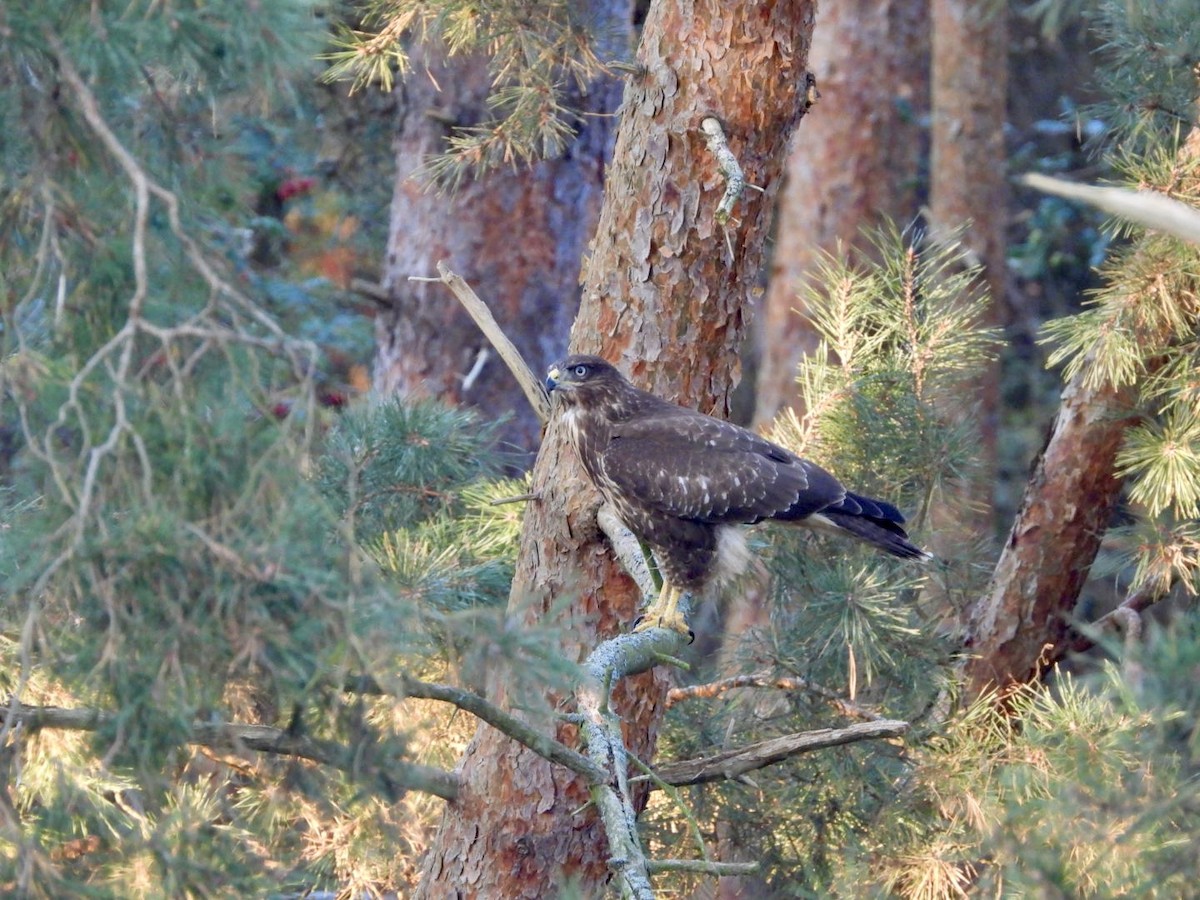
627	654
727	164
703	867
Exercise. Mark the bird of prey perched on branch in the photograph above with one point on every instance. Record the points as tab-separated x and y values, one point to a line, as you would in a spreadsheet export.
683	481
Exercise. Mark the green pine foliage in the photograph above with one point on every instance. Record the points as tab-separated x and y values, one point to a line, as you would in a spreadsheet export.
885	396
541	62
190	537
1140	329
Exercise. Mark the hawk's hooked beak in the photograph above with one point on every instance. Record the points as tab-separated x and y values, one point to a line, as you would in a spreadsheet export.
552	379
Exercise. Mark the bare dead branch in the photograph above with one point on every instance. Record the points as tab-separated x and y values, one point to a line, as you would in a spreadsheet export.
1146	208
524	734
734	763
776	682
535	393
391	773
372	291
515	498
629	551
1127	616
702	867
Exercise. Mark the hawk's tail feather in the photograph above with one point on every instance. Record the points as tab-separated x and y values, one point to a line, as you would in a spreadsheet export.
884	533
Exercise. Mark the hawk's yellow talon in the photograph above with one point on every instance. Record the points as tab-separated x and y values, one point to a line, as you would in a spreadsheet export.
664	613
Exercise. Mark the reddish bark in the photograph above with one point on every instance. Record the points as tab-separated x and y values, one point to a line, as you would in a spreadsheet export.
516	235
856	165
665	299
1019	625
968	181
1018	628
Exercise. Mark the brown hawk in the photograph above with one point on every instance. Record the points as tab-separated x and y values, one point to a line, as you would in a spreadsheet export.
683	481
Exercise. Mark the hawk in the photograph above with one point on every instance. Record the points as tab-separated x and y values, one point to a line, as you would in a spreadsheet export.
683	482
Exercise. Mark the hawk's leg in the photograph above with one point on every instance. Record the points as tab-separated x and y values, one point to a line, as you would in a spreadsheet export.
665	612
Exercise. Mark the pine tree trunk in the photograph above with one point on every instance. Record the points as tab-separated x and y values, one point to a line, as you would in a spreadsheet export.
968	181
1021	621
1018	627
856	165
666	299
516	235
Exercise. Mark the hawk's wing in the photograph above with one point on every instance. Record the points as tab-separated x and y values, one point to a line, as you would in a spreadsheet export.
691	466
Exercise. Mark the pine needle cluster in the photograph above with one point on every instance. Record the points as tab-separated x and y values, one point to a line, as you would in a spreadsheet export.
541	58
856	633
211	580
1140	332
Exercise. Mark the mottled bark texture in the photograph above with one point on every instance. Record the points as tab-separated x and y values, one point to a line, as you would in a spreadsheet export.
516	235
666	300
856	165
1022	619
1019	627
968	180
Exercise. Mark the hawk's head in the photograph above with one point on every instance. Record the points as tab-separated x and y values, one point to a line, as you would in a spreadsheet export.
587	380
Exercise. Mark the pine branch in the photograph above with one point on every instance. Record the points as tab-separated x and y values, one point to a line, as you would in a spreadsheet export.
1019	627
261	738
766	680
732	764
626	654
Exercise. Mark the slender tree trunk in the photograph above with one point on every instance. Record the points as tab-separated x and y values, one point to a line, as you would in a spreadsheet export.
664	297
1018	628
1023	617
857	164
518	235
968	184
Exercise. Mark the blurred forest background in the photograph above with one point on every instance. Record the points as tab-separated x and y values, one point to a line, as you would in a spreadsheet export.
258	593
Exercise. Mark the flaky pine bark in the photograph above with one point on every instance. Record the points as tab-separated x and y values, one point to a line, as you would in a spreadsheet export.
968	182
519	232
664	298
1018	629
857	165
1021	622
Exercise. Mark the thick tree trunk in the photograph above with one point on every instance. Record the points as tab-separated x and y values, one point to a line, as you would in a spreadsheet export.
856	165
664	298
968	181
516	235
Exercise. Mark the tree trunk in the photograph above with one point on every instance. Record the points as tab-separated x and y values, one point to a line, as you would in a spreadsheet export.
856	166
665	299
1017	629
1023	617
968	185
517	235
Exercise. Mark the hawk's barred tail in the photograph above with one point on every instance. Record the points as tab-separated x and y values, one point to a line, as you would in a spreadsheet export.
879	532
